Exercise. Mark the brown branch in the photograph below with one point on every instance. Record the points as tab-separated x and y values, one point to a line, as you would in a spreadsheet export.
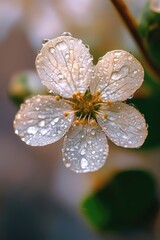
131	24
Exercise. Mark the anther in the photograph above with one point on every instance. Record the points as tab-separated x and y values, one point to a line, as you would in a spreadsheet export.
89	104
82	121
66	114
92	122
108	102
77	122
105	115
57	97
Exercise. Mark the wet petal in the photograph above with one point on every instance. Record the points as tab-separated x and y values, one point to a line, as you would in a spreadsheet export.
65	65
117	76
85	148
41	121
125	126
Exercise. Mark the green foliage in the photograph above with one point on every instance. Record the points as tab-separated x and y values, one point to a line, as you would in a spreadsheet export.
149	30
128	201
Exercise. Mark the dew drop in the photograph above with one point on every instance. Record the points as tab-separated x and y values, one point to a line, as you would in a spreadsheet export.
60	76
66	34
117	53
130	58
42	123
18	116
54	121
84	163
16	131
41	116
93	132
51	49
87	46
120	74
44	131
61	46
32	130
67	164
45	41
130	97
83	151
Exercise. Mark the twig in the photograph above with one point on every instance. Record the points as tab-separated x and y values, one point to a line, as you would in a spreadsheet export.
131	24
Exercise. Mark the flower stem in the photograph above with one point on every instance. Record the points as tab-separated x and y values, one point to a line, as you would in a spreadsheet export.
132	26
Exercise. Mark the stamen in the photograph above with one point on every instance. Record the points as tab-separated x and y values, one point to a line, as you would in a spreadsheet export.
105	115
77	122
92	122
66	114
57	97
90	104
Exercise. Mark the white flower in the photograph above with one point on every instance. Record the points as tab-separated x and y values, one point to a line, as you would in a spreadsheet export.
85	105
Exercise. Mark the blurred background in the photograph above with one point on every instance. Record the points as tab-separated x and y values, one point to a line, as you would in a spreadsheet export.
39	197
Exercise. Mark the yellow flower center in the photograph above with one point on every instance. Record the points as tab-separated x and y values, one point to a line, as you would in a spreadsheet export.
86	105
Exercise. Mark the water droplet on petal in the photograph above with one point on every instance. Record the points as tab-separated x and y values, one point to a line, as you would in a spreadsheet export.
130	97
42	123
16	131
83	151
68	165
44	131
93	132
66	34
120	74
130	58
41	116
61	46
32	130
117	53
45	41
54	121
84	163
60	76
51	49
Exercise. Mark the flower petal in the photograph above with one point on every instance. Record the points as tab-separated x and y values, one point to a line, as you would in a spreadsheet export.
85	148
117	76
125	125
41	121
65	66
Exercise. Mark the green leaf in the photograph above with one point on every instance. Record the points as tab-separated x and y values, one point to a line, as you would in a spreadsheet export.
149	30
128	201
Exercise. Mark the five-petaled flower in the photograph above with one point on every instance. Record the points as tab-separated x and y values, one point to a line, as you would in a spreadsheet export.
86	103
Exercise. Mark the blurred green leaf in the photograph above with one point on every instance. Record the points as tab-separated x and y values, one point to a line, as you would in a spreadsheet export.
128	201
149	30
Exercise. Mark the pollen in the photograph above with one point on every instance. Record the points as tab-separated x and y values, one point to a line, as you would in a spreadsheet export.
85	105
66	114
77	122
92	122
105	115
57	97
